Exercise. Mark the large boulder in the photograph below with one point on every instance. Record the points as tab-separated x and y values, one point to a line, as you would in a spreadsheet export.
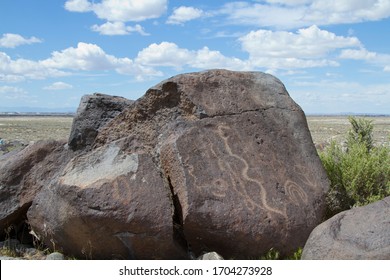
94	111
22	175
211	161
359	233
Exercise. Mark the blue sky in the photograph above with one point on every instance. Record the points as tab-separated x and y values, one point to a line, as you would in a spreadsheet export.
333	56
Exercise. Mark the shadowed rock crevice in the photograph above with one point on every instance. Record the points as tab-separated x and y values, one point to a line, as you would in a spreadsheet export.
15	226
177	219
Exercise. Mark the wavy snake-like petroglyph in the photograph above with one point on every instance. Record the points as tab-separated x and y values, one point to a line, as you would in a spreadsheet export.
239	181
244	173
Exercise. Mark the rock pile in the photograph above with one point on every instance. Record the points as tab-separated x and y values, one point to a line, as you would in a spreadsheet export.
212	161
19	251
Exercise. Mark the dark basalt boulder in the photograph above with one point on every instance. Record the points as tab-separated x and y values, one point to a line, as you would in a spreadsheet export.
94	112
212	161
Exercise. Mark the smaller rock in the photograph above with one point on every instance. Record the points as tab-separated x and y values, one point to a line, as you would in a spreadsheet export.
359	233
55	256
93	113
210	256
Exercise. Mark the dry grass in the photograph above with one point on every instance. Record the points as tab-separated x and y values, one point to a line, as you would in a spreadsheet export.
32	128
324	129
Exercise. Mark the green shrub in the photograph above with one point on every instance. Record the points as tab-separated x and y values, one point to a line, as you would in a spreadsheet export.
360	133
296	255
274	254
359	173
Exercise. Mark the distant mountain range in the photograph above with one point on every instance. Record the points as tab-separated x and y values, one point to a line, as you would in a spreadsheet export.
36	110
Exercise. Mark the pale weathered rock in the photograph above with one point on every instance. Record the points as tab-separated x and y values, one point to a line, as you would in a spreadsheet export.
359	233
22	175
213	161
213	256
55	256
94	112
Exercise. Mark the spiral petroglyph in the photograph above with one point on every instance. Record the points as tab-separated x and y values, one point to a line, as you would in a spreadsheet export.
296	194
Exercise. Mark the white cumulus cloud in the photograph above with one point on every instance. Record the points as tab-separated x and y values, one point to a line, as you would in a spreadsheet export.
308	47
358	54
290	14
164	54
378	59
120	10
184	14
118	28
170	55
289	2
20	69
207	59
90	57
80	6
10	40
85	57
58	86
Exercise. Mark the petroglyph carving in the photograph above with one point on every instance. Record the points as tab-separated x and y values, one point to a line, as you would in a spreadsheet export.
238	172
296	194
224	133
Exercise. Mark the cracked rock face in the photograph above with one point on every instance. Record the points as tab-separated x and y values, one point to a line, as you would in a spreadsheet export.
212	161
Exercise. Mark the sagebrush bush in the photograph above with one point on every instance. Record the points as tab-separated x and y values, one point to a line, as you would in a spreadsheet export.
359	173
274	254
361	132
